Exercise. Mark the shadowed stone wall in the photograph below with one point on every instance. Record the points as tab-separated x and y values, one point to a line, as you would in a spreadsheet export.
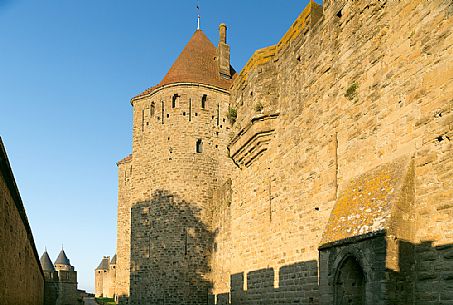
170	252
21	276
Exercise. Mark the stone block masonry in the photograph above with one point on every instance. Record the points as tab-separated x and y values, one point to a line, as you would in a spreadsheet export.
170	241
123	230
333	185
21	276
355	87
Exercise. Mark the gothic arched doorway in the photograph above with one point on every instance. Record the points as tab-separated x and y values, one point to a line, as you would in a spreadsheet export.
350	283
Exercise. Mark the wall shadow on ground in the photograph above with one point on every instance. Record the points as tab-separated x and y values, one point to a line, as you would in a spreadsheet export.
425	270
297	284
170	251
425	277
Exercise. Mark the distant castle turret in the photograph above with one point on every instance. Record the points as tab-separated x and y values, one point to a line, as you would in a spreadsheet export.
60	280
105	278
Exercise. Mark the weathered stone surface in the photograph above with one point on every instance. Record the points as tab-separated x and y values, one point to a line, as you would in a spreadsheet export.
358	85
371	202
21	276
105	278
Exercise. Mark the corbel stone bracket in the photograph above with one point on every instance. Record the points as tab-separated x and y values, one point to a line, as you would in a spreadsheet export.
253	140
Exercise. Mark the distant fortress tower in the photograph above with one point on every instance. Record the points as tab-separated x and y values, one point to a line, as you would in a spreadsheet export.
167	185
60	286
105	278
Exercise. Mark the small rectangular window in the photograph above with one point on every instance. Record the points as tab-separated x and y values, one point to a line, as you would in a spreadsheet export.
173	100
199	146
203	101
152	109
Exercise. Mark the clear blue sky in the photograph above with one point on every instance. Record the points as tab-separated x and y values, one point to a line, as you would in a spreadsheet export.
68	69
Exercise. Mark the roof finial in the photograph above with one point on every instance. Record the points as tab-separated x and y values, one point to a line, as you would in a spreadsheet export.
198	19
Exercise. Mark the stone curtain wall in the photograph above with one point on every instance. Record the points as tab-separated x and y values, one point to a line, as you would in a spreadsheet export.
67	289
21	277
366	83
51	292
297	284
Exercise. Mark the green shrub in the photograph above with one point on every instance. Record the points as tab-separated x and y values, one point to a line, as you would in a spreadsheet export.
259	107
351	92
232	114
105	301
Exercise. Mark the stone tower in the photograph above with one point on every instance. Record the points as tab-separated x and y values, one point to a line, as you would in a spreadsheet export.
60	286
105	278
166	187
99	275
50	279
67	280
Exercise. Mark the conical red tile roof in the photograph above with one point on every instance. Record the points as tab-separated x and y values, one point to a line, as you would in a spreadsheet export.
196	64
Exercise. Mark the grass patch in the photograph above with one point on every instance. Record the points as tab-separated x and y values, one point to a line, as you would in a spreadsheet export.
105	301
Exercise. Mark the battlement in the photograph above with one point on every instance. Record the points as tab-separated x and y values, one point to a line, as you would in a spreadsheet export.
260	57
125	160
174	106
309	16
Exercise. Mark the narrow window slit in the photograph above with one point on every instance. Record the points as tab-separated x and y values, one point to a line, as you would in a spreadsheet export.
163	112
143	119
218	114
203	101
186	239
199	146
190	110
152	109
173	100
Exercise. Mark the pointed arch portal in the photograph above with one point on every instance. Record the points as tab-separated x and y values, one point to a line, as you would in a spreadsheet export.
350	283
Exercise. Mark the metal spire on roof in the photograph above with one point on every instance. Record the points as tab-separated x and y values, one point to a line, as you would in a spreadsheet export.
198	19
